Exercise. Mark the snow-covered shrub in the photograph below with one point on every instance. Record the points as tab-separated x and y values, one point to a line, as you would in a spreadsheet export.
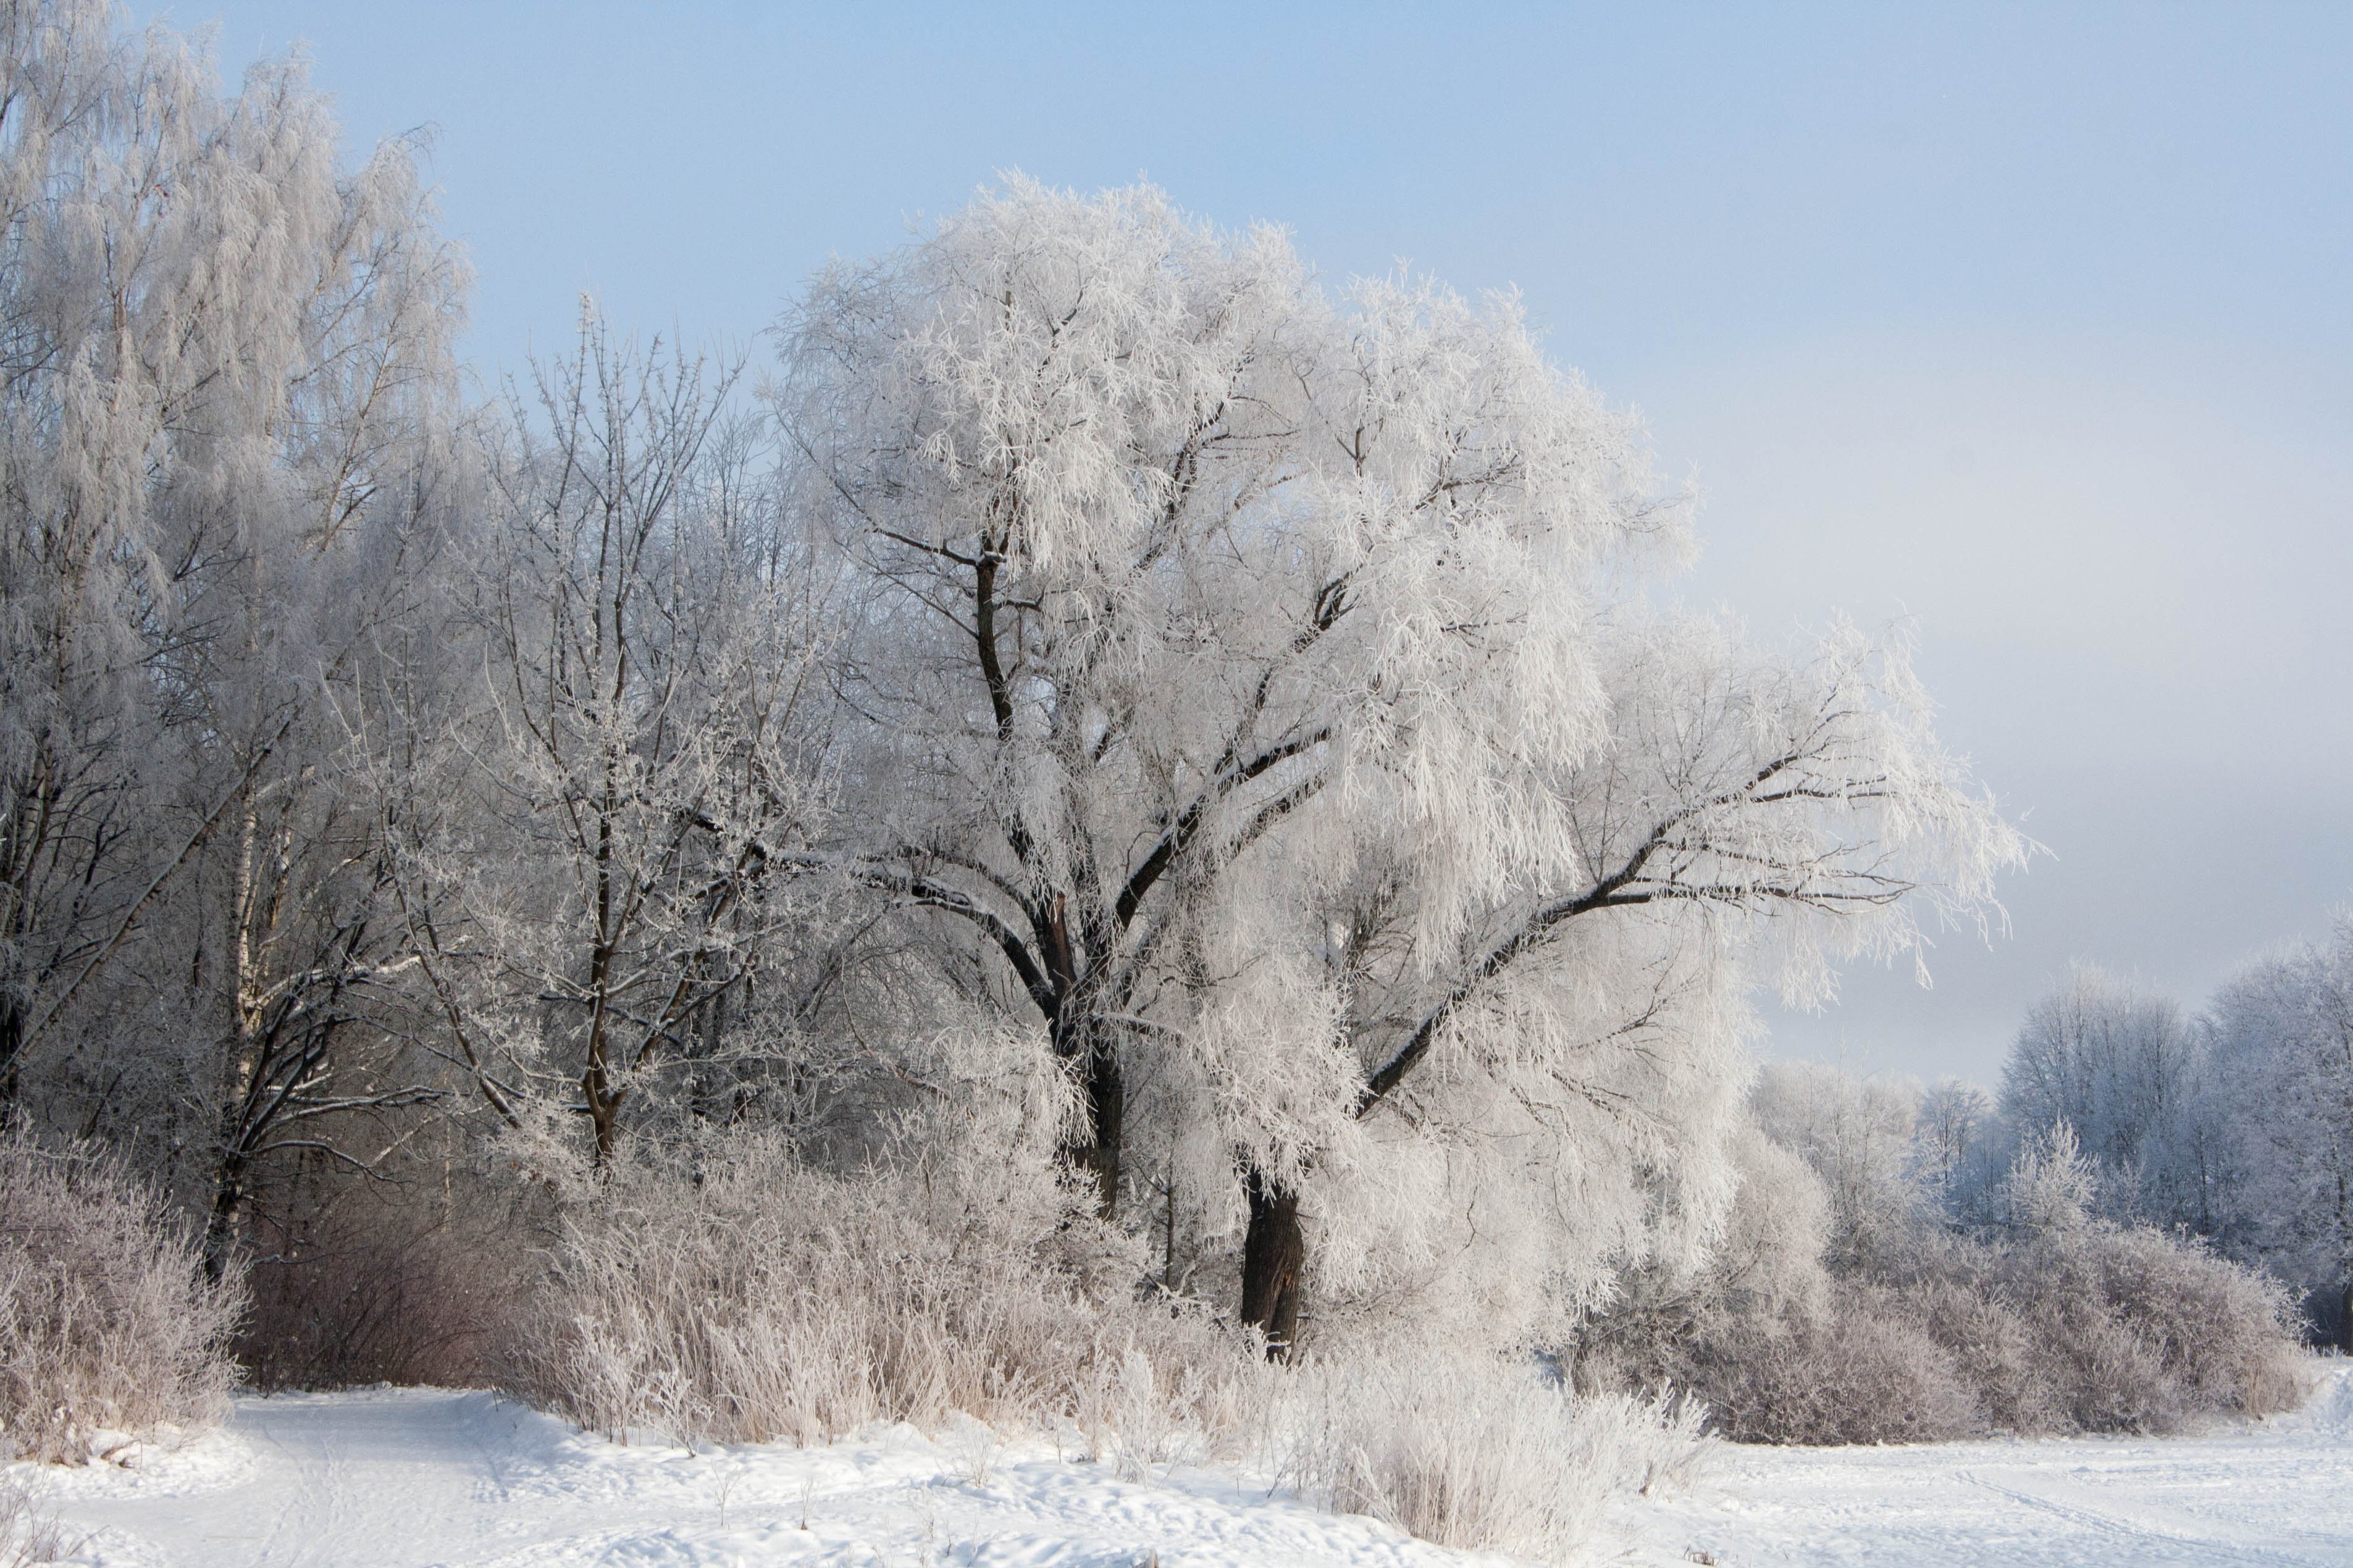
1477	1451
2053	1321
1861	1369
1777	1348
108	1324
1766	1265
2133	1328
736	1292
740	1294
1993	1346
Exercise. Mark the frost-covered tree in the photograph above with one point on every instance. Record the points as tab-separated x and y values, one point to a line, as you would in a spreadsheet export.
1254	673
1955	1144
227	390
2283	1041
607	840
2119	1067
1861	1138
1157	544
1749	816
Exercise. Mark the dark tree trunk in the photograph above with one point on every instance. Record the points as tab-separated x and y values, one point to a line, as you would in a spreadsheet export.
1273	1248
2345	1322
222	1225
1094	1149
12	1046
1107	1108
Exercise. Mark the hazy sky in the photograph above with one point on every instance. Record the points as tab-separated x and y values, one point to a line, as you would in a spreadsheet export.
2031	323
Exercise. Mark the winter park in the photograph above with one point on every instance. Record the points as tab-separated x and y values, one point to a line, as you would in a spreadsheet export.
913	786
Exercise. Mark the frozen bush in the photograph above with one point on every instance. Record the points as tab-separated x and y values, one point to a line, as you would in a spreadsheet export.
108	1324
1993	1347
1862	1369
740	1294
1478	1452
1765	1269
2130	1328
2137	1330
748	1296
2052	1320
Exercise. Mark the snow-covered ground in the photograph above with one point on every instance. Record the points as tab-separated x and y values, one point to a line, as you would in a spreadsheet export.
415	1477
2275	1495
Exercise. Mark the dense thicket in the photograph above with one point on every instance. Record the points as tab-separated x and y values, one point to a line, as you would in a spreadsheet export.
1848	1302
2230	1124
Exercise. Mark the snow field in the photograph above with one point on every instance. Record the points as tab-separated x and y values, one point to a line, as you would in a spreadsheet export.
2272	1494
409	1477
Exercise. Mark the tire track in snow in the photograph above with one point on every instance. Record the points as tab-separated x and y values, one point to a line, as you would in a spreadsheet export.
2225	1550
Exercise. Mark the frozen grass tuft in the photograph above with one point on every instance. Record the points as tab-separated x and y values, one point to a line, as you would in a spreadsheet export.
27	1535
752	1297
1479	1452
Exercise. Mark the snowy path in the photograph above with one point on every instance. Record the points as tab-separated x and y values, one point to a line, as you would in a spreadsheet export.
407	1477
410	1478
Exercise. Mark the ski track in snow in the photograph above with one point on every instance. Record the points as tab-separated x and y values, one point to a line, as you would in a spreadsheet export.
412	1477
2275	1494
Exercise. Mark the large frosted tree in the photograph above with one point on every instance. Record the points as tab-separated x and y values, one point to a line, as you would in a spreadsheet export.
1254	674
1157	544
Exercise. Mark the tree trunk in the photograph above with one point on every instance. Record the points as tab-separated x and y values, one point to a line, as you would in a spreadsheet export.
2345	1323
1107	1108
12	1046
1273	1248
1094	1148
603	1104
228	1209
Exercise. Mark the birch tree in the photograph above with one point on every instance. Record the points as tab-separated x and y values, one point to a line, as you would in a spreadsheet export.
228	398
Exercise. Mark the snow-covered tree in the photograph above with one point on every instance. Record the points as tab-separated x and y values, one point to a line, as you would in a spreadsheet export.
2119	1067
2282	1042
1860	1136
1157	544
228	388
608	840
1955	1145
1255	673
1750	818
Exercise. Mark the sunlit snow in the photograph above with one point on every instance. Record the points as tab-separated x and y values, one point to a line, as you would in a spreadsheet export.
415	1477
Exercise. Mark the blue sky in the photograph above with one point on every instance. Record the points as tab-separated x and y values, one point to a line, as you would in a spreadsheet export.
2029	322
